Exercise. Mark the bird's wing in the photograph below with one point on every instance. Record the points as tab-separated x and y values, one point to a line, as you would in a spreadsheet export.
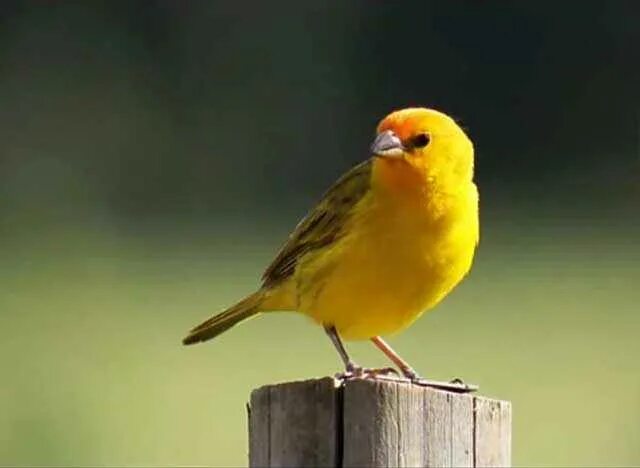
322	225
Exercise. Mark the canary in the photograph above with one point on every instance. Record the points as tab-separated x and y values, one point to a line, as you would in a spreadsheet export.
388	241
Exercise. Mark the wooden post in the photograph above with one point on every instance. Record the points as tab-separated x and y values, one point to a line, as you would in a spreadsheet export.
375	423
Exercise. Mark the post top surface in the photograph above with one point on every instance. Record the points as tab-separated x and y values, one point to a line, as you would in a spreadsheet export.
328	381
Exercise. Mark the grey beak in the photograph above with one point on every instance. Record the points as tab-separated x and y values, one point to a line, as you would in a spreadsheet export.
387	144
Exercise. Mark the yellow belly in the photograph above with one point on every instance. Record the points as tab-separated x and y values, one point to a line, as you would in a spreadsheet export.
394	264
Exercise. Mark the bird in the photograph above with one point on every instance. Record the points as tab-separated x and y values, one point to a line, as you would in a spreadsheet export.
387	242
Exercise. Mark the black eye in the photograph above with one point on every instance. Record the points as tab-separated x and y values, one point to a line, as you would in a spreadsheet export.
420	141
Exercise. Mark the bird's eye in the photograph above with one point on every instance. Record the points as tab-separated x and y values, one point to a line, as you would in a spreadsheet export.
420	141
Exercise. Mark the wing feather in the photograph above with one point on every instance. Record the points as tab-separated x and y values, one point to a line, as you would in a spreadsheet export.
321	226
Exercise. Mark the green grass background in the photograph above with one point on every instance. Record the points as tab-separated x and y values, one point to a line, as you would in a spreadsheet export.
93	372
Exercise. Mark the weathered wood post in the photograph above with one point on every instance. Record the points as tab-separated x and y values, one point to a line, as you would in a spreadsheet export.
375	423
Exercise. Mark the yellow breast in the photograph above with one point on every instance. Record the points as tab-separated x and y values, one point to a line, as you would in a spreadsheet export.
400	258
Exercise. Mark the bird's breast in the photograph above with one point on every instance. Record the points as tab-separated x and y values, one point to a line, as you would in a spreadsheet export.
396	260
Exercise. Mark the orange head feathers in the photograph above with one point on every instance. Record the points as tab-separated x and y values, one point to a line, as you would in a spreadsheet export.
428	143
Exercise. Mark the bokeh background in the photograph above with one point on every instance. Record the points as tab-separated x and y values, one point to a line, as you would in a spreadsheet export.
155	154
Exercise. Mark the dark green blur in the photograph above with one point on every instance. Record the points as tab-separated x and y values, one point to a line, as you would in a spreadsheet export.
154	155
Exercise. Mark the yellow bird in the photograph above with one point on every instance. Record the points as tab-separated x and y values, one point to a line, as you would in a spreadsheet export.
389	240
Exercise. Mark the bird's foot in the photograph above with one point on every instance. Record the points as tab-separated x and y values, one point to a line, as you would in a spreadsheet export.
456	385
354	371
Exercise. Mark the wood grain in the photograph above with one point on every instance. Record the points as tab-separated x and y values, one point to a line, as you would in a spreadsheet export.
492	432
294	424
375	423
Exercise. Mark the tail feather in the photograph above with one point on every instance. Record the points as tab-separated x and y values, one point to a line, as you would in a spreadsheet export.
220	323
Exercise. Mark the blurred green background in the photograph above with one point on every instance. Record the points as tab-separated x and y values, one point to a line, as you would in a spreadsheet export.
154	155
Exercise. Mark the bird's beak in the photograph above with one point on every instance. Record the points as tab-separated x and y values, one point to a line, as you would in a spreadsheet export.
387	144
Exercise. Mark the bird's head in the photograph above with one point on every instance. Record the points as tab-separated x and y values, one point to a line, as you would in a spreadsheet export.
425	143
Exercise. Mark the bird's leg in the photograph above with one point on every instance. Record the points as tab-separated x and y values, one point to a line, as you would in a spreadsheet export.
349	365
403	365
351	368
456	385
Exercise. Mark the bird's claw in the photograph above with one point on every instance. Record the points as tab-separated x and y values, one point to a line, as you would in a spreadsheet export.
456	385
354	371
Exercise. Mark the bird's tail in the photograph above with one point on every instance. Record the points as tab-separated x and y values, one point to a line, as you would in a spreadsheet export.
221	322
